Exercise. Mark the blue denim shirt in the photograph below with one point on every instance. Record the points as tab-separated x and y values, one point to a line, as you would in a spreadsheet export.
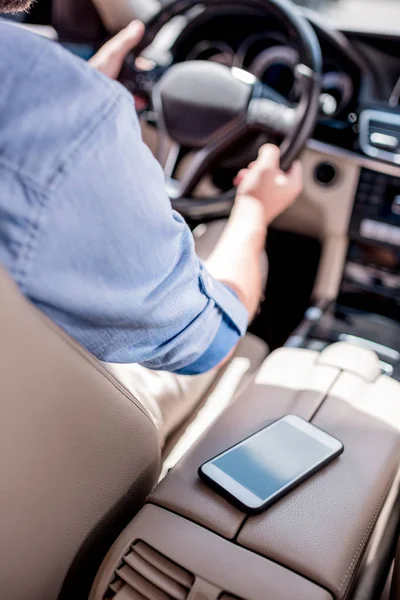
86	228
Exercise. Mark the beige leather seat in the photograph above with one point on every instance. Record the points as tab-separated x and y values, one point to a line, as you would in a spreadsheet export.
78	456
78	453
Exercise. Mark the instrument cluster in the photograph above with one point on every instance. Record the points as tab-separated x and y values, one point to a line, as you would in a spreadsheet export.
269	57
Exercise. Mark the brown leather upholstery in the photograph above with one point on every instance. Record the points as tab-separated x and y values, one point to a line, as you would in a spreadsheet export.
395	587
290	381
221	570
321	529
78	456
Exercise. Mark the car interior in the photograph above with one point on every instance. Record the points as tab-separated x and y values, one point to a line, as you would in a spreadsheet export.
92	507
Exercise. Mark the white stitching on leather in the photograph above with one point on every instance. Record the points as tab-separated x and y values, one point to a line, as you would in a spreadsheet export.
361	546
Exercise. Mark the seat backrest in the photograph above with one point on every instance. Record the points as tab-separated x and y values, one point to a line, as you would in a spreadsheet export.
78	456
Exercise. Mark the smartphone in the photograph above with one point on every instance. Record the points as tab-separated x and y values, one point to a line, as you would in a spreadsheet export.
258	471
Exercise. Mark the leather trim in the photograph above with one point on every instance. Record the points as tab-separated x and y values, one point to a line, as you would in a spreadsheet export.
322	528
79	456
347	579
395	587
354	359
376	566
290	381
224	566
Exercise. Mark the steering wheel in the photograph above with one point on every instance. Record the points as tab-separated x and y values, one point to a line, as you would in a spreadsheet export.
207	107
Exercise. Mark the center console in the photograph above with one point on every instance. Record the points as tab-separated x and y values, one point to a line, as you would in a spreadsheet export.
372	272
367	310
332	538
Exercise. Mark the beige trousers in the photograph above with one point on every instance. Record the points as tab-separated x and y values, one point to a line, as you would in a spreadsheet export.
170	399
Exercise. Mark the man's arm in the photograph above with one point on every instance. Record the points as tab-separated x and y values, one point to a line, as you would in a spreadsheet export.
116	267
264	192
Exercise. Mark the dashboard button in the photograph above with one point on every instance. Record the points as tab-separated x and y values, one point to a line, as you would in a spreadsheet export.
368	229
396	206
375	230
365	187
381	179
382	140
375	200
362	198
367	175
378	190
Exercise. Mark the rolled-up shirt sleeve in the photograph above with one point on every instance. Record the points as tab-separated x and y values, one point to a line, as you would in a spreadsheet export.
116	267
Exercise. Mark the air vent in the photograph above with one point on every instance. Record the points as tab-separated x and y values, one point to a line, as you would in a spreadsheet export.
228	597
145	574
380	135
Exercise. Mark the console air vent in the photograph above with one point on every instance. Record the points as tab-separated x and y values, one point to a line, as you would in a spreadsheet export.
380	135
145	574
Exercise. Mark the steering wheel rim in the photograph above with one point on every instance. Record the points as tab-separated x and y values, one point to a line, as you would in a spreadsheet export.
264	110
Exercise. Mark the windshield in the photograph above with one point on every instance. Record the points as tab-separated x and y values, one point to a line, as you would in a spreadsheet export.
365	15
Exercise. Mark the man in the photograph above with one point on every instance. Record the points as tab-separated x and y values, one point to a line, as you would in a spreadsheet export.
88	233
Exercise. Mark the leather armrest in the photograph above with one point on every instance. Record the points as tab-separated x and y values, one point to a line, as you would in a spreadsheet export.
290	381
213	567
318	534
321	529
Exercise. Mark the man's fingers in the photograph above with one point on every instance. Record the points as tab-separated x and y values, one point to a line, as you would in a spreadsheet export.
110	58
296	171
143	64
240	176
268	157
127	39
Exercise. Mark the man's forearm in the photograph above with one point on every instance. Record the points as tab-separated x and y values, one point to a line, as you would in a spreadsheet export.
237	259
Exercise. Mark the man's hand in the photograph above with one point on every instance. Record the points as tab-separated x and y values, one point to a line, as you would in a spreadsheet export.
110	58
264	181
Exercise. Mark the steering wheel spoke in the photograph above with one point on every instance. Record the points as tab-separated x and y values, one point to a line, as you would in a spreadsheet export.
172	159
272	117
208	156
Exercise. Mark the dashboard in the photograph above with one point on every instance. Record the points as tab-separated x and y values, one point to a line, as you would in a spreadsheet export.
361	76
262	47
